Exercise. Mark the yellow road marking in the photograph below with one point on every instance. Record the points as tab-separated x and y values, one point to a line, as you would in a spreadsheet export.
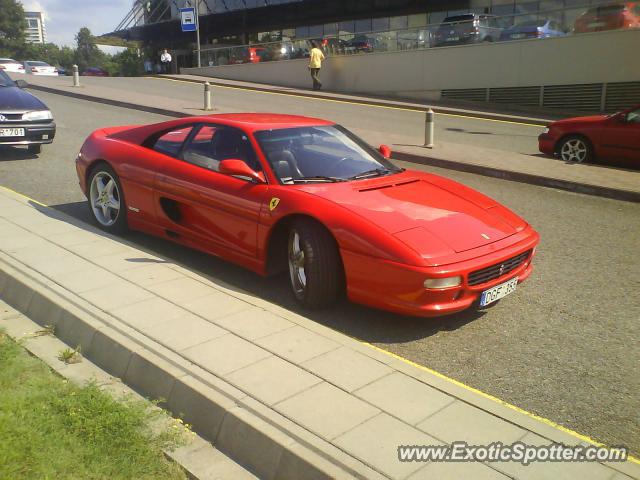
23	196
546	421
359	104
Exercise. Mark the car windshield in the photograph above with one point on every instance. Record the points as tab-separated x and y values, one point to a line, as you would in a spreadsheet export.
459	18
7	60
321	154
532	23
5	81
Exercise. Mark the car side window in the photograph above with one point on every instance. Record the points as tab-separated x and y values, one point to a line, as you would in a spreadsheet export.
213	143
170	142
633	116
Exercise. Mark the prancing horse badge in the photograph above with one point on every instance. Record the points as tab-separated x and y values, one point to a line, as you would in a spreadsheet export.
274	203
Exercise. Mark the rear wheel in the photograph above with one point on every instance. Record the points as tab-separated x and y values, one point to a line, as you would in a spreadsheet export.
315	270
106	200
35	148
575	149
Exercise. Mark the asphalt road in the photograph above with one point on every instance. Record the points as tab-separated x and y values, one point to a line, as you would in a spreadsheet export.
388	125
564	346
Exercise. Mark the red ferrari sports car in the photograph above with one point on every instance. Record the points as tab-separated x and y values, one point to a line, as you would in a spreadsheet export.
278	193
581	139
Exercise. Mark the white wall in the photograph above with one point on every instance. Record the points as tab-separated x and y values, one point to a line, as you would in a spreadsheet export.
600	57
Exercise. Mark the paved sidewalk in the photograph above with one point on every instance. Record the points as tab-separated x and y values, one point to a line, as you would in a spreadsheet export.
535	169
280	394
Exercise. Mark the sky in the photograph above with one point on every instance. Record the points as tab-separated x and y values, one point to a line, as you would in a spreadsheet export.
63	18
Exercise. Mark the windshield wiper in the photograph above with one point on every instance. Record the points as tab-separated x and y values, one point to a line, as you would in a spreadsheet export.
376	172
317	178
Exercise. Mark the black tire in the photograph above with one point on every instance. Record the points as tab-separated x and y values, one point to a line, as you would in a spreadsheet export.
113	223
320	263
575	148
35	149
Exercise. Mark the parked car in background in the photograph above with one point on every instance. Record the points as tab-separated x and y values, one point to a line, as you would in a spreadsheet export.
34	67
24	119
467	28
62	70
543	28
606	137
609	17
360	44
249	55
10	65
94	72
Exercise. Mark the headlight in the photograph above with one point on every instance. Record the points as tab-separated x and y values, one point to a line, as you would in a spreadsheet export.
546	130
443	282
38	115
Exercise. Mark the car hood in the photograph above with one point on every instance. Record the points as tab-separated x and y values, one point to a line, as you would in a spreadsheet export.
583	120
432	215
16	99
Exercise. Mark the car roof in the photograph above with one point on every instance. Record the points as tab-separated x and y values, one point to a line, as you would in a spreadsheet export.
266	121
7	60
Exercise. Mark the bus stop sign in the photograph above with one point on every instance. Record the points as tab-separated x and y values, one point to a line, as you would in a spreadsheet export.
188	19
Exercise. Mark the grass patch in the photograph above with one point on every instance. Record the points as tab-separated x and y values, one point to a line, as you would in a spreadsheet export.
52	429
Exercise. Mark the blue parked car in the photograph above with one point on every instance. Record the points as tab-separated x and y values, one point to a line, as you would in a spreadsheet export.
542	28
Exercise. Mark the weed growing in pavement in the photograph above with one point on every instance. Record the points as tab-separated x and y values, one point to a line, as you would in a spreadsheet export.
69	355
47	330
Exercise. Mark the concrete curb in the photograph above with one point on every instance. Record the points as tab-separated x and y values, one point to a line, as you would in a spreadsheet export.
266	444
198	458
587	189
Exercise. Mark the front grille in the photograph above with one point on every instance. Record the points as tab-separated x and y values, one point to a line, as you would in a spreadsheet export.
494	271
11	117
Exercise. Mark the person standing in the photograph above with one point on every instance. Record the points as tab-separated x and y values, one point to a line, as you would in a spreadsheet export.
315	64
165	60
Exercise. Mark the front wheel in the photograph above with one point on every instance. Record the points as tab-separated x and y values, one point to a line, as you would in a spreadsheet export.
315	269
106	200
575	149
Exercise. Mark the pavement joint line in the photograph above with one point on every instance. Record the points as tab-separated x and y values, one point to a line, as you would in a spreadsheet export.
450	380
533	416
362	103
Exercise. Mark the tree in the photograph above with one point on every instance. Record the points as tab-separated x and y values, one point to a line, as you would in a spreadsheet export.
87	54
12	26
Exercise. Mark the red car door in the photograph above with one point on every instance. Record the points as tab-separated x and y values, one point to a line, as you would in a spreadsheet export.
621	137
218	212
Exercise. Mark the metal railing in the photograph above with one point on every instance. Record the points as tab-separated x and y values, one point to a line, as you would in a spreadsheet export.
484	28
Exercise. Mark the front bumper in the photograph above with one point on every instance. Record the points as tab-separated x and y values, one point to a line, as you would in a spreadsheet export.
546	144
34	133
399	288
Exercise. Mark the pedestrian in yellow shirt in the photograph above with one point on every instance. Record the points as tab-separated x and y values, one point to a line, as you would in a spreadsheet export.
315	64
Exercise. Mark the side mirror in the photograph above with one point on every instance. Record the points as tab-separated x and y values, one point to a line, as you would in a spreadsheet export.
621	117
238	168
21	84
385	151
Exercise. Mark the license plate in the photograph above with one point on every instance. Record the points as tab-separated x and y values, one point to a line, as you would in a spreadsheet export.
453	39
596	24
499	291
11	132
518	35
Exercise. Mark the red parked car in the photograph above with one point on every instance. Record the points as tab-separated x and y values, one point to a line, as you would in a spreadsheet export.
609	17
95	72
280	193
582	139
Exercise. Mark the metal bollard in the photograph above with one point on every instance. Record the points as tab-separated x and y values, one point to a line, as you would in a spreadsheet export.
207	96
428	129
76	76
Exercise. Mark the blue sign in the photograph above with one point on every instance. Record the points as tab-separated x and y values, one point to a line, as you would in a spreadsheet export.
188	19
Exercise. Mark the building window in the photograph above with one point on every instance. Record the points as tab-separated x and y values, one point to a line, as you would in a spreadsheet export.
363	25
32	23
302	32
331	29
400	23
347	27
417	20
316	31
380	24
